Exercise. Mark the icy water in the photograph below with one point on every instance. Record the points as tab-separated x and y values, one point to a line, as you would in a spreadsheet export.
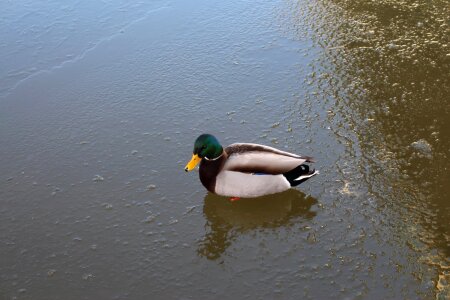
100	104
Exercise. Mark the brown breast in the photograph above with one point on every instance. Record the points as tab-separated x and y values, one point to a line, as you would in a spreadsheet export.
209	170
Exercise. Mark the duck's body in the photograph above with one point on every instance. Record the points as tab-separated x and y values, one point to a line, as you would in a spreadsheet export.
247	170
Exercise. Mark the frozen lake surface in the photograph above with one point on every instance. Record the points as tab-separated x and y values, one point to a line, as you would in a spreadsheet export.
100	104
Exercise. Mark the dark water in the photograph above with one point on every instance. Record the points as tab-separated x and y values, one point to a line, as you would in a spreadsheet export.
100	104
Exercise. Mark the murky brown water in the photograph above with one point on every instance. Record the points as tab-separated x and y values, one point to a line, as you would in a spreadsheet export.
100	104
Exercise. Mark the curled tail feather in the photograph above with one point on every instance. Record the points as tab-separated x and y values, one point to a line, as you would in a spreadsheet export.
299	174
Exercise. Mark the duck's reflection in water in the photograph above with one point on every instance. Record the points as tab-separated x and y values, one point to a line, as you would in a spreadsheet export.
225	220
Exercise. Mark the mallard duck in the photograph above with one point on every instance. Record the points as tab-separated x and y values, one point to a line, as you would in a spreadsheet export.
247	170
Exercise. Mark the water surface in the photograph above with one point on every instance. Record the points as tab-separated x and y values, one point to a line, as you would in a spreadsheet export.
101	104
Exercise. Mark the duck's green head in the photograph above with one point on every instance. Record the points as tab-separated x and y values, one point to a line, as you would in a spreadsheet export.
205	146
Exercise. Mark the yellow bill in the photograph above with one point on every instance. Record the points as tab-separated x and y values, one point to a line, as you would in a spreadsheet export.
194	161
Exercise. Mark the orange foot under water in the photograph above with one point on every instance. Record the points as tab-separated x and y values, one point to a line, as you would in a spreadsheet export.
233	199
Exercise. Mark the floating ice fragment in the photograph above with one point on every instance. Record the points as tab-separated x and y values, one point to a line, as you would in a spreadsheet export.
392	46
87	276
149	219
423	147
98	178
107	206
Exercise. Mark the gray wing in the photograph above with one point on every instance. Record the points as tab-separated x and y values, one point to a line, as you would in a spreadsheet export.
254	158
246	185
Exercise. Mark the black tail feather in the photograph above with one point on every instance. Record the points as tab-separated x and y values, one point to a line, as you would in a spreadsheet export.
298	171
